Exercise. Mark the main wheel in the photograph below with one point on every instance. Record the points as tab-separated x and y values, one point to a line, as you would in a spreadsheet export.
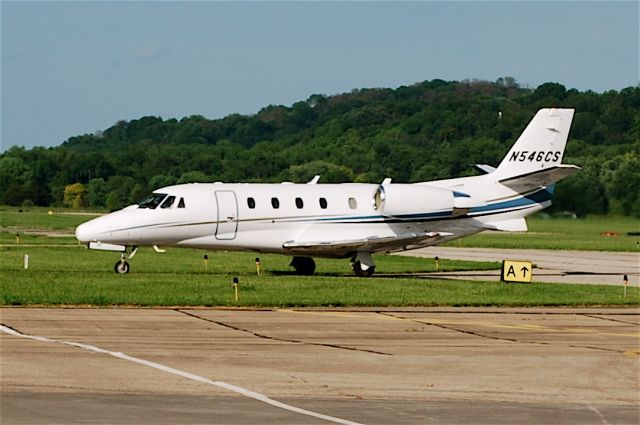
121	267
304	265
360	272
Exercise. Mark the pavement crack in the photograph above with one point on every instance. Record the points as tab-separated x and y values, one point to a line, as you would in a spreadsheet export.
273	338
451	328
478	334
593	316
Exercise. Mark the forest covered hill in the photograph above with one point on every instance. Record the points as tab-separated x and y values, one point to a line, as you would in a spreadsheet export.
430	130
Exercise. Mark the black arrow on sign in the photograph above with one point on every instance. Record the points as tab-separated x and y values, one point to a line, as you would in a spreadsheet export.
524	271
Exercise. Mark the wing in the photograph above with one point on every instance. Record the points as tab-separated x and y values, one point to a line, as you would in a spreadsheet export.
370	244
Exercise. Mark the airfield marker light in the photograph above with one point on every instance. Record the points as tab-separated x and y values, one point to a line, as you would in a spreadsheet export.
236	288
50	212
206	261
437	263
17	238
258	266
26	261
625	280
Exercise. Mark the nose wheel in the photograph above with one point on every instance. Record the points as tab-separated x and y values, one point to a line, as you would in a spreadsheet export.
122	266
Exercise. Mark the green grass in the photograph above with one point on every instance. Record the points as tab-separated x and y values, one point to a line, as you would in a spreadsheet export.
75	276
76	259
22	239
563	233
39	219
63	273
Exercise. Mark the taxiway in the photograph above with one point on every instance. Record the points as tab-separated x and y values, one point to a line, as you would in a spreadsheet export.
558	266
350	366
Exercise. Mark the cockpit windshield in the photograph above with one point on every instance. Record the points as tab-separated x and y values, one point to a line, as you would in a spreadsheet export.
152	201
168	202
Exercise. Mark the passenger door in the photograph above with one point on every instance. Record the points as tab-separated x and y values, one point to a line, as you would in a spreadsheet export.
227	215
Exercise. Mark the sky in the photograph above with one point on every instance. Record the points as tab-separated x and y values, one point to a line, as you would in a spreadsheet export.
72	68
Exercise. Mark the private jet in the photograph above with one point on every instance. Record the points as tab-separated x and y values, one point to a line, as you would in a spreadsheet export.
348	220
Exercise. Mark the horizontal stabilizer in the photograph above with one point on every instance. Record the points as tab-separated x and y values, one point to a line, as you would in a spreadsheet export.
484	168
536	179
370	244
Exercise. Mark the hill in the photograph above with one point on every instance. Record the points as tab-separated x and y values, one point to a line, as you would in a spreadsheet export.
429	130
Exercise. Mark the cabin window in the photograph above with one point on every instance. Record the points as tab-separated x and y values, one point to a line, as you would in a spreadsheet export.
152	201
353	204
299	203
168	202
275	203
251	203
181	203
323	203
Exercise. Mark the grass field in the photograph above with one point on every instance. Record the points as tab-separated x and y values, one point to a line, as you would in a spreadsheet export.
39	219
592	234
63	273
71	275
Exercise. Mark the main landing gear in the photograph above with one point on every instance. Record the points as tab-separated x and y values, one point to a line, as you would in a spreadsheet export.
361	263
122	266
304	265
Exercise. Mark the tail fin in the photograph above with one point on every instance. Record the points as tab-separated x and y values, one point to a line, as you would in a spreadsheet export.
536	157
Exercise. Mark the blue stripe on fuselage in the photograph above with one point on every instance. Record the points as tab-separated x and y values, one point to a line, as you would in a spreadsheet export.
537	197
531	199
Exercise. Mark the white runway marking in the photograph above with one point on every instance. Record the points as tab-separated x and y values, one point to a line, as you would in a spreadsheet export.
229	387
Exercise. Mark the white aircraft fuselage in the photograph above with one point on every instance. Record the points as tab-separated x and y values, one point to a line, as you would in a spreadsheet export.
344	220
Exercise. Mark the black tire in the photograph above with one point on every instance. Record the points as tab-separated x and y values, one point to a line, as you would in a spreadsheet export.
304	265
360	272
121	267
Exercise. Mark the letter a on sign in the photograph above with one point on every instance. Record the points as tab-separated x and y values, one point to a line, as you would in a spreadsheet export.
516	271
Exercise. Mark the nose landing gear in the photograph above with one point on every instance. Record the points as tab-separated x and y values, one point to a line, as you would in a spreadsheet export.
122	266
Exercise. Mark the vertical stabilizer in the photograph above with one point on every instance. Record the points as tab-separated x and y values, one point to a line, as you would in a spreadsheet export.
540	146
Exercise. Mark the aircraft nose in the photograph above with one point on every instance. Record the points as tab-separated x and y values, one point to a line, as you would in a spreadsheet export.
84	232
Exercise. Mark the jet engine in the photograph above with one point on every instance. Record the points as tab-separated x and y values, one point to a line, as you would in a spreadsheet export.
413	200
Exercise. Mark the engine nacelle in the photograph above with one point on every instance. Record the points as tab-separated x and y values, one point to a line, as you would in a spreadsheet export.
412	200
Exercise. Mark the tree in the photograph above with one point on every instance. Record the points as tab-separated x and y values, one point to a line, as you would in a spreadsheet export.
97	193
160	180
75	196
194	177
622	182
413	133
328	172
14	173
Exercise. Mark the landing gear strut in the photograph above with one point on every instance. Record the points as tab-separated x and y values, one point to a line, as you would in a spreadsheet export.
304	265
363	265
122	267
